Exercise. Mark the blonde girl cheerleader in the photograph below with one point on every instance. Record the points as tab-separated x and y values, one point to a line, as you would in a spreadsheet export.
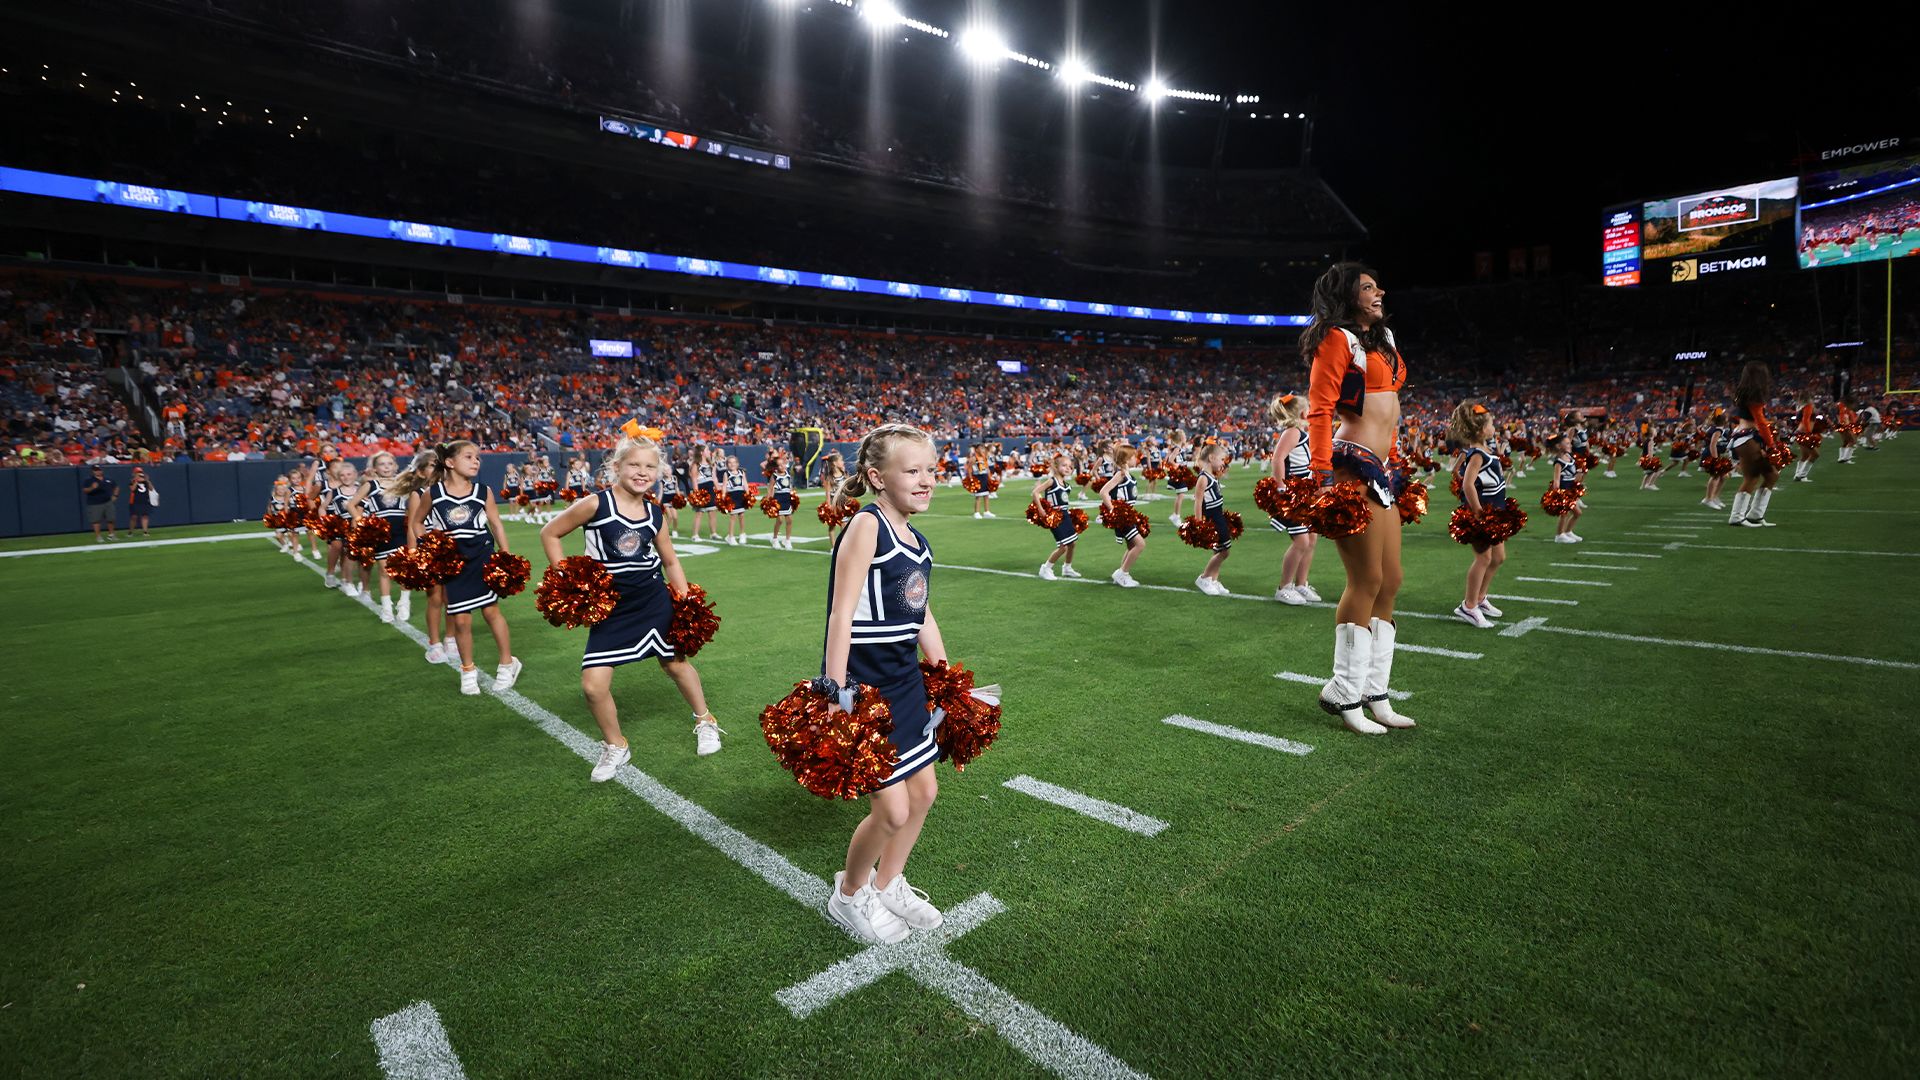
278	502
736	503
879	621
704	480
463	508
669	490
343	498
319	488
626	532
1356	375
579	480
1290	462
415	485
1211	463
391	509
1752	439
1566	474
1054	492
833	469
1120	488
1102	465
1483	485
1154	465
980	468
510	494
785	499
1178	454
538	477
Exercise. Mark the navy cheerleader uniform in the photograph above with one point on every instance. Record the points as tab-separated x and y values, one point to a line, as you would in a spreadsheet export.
341	503
1298	462
736	492
1126	491
885	653
393	511
1175	459
703	479
783	492
1489	479
637	627
1213	506
669	485
1569	471
465	519
1056	499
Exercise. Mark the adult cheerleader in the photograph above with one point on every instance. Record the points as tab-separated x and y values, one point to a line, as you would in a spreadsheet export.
879	616
626	532
1483	485
1290	461
1053	494
462	507
1209	465
1751	441
1807	436
1846	423
1566	474
980	470
784	500
736	487
390	509
1357	373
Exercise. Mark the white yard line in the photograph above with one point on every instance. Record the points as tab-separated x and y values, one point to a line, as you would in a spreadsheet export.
1567	581
1098	809
869	966
1801	551
1046	1041
1321	680
1593	566
1430	650
1524	627
1717	646
1618	554
1253	738
122	545
1532	599
413	1045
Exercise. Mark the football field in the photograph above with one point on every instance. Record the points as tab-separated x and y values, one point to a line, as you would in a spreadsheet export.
1661	821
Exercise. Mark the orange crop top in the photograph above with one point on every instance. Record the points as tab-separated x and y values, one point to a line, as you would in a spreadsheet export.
1340	381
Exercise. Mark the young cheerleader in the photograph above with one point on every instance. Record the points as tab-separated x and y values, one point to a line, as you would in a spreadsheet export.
1153	465
736	503
510	494
1752	438
1566	474
579	480
320	490
345	502
1211	463
1120	488
415	485
1054	492
1713	444
278	503
669	488
461	506
879	616
784	496
1808	433
1483	484
390	507
626	532
1178	453
1290	462
980	467
703	480
1356	374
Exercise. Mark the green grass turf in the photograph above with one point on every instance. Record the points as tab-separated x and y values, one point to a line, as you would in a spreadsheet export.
250	820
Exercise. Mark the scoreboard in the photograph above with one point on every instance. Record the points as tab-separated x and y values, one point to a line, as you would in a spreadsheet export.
1620	246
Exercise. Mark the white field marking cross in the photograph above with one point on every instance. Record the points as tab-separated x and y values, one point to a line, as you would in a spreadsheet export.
919	954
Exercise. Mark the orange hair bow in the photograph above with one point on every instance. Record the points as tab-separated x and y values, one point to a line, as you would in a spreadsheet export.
633	429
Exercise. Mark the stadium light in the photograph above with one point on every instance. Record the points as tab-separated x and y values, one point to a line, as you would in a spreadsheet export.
881	14
982	44
1073	72
1154	91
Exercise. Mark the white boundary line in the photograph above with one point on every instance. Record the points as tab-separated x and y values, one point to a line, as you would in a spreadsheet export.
413	1045
1532	599
122	545
1098	809
1618	554
1802	551
869	966
1255	738
1430	650
1723	647
1593	566
1567	581
1315	680
1049	1043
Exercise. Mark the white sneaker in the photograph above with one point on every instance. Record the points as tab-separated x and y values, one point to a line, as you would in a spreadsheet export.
406	607
990	513
1069	571
332	582
1470	616
386	609
1491	612
863	916
1650	487
1581	503
436	653
611	758
1307	591
299	556
1289	595
976	515
706	736
470	681
1610	474
452	646
508	674
1173	519
1124	580
909	903
1575	538
1562	538
350	589
1046	572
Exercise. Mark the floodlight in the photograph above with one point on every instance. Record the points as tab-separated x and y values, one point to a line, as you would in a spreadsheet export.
982	44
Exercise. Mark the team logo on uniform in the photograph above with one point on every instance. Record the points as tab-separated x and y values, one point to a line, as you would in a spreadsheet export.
459	516
913	591
628	543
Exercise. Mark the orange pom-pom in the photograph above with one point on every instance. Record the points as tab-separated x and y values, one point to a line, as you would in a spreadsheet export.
1235	526
1651	463
1038	468
1181	474
1120	517
506	573
576	591
700	498
1199	532
1083	479
768	469
694	622
970	724
1412	503
677	501
835	516
1557	501
366	538
440	555
770	506
1716	466
1044	516
331	527
1809	439
1339	511
1781	455
1079	520
972	483
1268	495
274	519
408	571
1492	525
833	754
1153	472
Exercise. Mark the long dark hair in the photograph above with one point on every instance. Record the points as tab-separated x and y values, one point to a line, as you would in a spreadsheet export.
1755	386
1333	306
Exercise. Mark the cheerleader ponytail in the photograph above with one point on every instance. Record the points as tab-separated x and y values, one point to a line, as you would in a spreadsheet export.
419	475
875	450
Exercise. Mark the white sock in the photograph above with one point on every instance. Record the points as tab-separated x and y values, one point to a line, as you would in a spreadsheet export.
1760	501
